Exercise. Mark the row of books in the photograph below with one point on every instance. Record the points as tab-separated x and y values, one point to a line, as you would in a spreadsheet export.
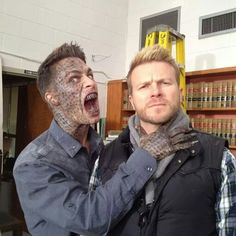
218	94
126	104
225	128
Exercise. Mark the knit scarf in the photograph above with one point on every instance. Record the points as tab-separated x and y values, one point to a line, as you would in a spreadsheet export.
180	120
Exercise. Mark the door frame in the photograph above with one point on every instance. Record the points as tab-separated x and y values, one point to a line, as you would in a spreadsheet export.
1	119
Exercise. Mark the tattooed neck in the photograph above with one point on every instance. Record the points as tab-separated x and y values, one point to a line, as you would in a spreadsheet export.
81	134
78	131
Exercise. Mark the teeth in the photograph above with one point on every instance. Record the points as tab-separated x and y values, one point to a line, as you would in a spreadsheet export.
91	96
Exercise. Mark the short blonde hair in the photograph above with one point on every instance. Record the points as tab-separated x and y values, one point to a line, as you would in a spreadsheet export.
150	54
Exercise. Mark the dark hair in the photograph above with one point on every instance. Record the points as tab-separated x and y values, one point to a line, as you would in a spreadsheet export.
45	72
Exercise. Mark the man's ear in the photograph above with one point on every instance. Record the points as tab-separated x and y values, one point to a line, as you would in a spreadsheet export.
51	99
131	101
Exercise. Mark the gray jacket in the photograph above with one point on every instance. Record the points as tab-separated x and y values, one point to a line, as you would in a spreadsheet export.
52	176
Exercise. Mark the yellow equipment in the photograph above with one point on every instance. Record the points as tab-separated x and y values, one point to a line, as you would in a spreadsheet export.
166	36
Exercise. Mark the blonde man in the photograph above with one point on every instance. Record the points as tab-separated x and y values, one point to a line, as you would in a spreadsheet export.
193	190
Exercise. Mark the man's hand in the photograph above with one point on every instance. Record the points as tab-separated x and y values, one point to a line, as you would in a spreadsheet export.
162	143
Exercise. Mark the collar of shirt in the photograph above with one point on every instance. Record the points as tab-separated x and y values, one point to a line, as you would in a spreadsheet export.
70	144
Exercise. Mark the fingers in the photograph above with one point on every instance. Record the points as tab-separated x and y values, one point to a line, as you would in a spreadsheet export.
160	144
185	145
182	138
181	146
177	131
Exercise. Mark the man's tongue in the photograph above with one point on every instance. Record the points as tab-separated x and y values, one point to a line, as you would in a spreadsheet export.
90	106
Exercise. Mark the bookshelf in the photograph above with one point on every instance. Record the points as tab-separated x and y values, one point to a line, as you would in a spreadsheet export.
203	114
118	106
211	102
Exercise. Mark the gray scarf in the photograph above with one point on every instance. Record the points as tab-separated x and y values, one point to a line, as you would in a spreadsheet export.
181	120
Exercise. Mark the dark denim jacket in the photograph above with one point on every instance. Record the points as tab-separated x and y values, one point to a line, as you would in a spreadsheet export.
52	176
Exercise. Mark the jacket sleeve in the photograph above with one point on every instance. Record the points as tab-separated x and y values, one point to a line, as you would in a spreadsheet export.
60	200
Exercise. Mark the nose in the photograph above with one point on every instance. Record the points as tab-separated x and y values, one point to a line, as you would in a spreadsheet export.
88	82
156	89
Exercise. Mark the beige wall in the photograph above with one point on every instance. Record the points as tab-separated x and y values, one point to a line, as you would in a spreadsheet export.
208	53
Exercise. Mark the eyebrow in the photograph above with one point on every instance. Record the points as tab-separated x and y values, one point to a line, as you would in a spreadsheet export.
74	72
87	70
78	71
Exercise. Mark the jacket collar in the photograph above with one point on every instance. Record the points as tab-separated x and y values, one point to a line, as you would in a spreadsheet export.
124	136
70	144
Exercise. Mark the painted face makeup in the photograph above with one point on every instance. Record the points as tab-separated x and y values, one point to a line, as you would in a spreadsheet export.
76	91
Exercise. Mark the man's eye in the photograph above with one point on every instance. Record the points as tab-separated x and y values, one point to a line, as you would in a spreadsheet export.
143	86
166	82
74	79
91	76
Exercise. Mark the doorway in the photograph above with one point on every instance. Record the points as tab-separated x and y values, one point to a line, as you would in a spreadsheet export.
25	116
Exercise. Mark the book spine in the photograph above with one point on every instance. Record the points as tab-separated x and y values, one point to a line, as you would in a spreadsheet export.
200	94
224	128
209	129
224	94
218	94
204	124
205	95
214	127
219	128
229	93
195	95
214	94
188	96
228	131
233	135
233	98
210	95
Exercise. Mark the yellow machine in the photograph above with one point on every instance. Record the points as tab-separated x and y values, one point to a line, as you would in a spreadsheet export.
166	36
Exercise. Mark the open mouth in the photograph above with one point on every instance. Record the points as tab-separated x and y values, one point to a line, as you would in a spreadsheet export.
91	103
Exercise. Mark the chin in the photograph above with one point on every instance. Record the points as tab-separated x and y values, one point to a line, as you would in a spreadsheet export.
93	120
92	117
159	118
96	120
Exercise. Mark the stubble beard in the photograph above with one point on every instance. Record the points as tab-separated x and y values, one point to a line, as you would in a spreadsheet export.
155	119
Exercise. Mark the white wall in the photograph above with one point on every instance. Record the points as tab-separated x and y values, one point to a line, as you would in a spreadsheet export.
213	52
30	29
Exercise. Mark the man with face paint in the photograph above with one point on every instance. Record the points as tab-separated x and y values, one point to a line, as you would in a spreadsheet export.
53	173
193	191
